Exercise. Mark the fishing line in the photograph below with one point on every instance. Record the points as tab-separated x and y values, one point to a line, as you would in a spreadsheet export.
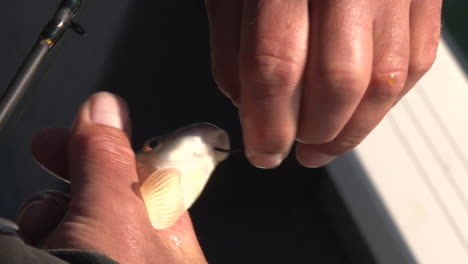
228	150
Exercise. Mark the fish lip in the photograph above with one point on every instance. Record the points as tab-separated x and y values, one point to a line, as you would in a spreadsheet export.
213	136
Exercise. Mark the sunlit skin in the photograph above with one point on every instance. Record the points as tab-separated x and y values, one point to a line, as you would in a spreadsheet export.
323	73
105	211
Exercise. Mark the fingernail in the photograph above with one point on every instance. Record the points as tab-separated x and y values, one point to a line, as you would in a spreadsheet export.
7	223
8	228
265	161
107	109
315	159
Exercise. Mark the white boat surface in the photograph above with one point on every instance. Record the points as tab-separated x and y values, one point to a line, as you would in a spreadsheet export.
406	185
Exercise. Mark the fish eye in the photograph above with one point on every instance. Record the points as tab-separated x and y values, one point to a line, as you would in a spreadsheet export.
154	143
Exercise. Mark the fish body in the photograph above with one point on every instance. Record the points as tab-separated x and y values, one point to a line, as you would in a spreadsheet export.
175	168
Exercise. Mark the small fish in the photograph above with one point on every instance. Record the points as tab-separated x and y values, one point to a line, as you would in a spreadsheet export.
175	168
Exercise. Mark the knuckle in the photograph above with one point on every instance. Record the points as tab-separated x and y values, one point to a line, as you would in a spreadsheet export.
108	148
387	84
328	136
421	65
308	133
344	145
275	75
264	91
276	61
425	55
343	86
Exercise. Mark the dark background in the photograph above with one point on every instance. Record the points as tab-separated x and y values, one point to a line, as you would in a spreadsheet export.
455	21
155	54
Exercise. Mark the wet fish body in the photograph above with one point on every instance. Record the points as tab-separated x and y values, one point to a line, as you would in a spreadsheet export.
175	168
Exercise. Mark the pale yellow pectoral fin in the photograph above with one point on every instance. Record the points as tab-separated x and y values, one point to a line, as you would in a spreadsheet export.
162	193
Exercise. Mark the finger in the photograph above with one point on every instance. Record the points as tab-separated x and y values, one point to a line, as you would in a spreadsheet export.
272	60
41	213
8	228
225	20
49	149
390	67
99	151
339	68
104	182
425	21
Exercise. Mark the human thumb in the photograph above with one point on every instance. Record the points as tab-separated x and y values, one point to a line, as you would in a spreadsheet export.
101	161
106	212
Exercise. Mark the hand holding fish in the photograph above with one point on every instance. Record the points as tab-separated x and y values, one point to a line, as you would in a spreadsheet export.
323	73
107	211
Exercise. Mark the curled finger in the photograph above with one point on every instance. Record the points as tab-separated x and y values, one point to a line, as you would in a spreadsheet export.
272	60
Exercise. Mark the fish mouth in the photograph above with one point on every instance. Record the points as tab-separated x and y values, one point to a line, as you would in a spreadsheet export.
211	135
214	137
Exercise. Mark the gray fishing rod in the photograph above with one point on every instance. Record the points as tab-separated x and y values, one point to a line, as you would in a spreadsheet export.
62	20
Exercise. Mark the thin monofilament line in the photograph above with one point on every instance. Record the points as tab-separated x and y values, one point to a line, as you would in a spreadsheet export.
228	150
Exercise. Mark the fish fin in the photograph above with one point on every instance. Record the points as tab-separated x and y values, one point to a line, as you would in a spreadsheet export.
162	193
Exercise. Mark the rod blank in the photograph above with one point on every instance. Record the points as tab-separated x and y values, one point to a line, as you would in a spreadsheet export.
50	35
20	83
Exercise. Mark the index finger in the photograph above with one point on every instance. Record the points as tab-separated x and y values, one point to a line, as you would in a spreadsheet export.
272	58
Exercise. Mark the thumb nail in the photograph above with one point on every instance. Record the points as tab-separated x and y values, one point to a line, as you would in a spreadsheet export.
108	109
7	223
7	227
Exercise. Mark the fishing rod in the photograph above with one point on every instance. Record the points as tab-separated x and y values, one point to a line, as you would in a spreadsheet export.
63	20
